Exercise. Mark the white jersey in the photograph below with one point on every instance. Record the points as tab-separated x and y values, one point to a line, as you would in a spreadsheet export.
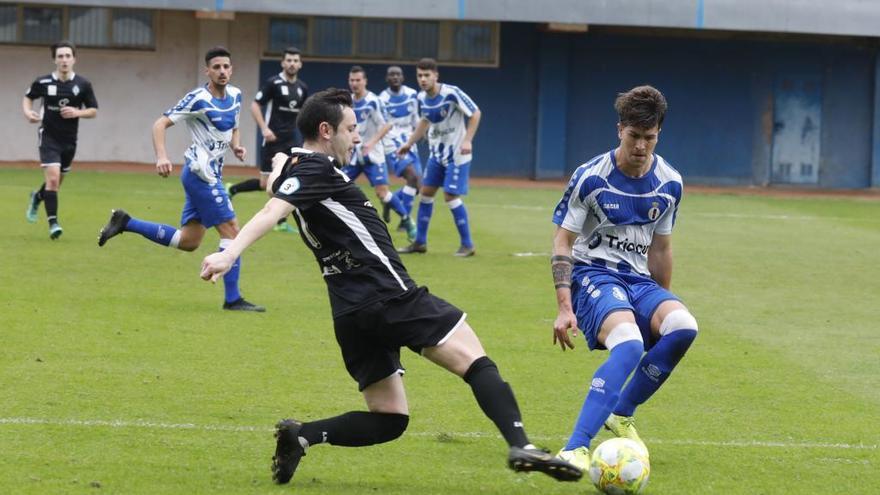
616	216
210	122
370	120
402	111
446	111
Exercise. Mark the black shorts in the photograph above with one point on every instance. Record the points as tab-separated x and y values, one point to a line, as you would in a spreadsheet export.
370	338
269	150
55	151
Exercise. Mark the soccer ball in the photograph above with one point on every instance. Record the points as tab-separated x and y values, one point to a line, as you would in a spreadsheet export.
620	466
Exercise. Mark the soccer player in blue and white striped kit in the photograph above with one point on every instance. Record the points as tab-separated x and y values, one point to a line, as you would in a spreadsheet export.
211	113
451	118
612	267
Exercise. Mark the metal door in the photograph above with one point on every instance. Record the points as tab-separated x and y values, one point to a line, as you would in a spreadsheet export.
797	118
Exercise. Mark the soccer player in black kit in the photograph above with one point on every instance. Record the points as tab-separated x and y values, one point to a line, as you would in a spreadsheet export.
67	97
377	308
282	96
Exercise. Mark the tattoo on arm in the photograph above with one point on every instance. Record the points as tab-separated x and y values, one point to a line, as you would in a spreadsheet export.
561	266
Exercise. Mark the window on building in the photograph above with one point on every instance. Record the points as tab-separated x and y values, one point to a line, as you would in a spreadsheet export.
89	26
377	39
42	25
133	28
332	36
450	42
420	39
284	32
8	23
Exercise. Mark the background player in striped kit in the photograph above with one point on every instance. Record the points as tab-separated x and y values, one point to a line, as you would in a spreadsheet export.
402	111
451	119
282	96
211	113
67	97
612	267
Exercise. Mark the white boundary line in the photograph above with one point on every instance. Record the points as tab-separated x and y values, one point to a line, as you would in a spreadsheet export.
92	423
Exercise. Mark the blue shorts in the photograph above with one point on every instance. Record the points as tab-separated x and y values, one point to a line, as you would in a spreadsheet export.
207	204
400	164
375	172
453	178
597	292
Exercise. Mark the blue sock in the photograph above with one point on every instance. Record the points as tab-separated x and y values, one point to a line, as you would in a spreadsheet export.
459	214
654	369
394	202
230	280
426	209
604	391
165	235
407	196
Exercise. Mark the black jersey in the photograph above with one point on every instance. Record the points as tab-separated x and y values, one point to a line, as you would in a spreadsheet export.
339	224
76	92
282	101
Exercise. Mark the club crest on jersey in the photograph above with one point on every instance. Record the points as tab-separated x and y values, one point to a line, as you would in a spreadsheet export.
75	90
289	186
618	294
654	212
299	92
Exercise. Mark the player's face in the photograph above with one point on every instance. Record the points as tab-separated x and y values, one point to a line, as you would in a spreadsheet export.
345	138
637	144
291	64
427	79
219	70
357	82
64	59
394	77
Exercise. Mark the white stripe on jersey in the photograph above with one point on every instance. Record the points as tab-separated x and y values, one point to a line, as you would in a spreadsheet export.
360	230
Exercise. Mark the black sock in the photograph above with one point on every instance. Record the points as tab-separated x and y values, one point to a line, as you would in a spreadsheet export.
51	200
245	186
281	220
355	429
496	400
39	196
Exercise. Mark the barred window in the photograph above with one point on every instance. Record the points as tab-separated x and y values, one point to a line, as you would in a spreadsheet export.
42	24
420	39
287	32
8	23
133	28
89	26
332	36
377	38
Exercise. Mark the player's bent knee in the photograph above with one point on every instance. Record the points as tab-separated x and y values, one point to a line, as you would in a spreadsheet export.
679	319
390	426
623	332
480	365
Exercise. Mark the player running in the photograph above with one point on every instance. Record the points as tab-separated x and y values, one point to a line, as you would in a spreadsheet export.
377	308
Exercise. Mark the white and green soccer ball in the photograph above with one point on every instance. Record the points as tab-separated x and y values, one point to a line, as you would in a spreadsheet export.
620	467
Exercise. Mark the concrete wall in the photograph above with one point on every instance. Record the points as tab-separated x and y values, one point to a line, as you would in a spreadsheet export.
133	87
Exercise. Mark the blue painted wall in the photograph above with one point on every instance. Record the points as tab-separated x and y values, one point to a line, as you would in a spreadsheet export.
720	92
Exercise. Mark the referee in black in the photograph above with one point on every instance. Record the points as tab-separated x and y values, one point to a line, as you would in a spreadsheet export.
377	308
67	97
281	98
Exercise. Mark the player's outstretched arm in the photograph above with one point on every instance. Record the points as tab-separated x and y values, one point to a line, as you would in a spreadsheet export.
216	264
561	264
419	133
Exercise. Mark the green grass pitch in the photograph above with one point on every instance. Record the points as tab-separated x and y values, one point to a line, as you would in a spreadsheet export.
120	373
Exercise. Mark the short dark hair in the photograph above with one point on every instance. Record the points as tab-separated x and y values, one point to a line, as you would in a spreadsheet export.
62	44
643	107
291	50
357	68
323	106
217	51
427	64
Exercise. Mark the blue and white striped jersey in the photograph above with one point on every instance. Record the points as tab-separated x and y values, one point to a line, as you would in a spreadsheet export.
402	110
210	122
615	215
370	120
446	111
